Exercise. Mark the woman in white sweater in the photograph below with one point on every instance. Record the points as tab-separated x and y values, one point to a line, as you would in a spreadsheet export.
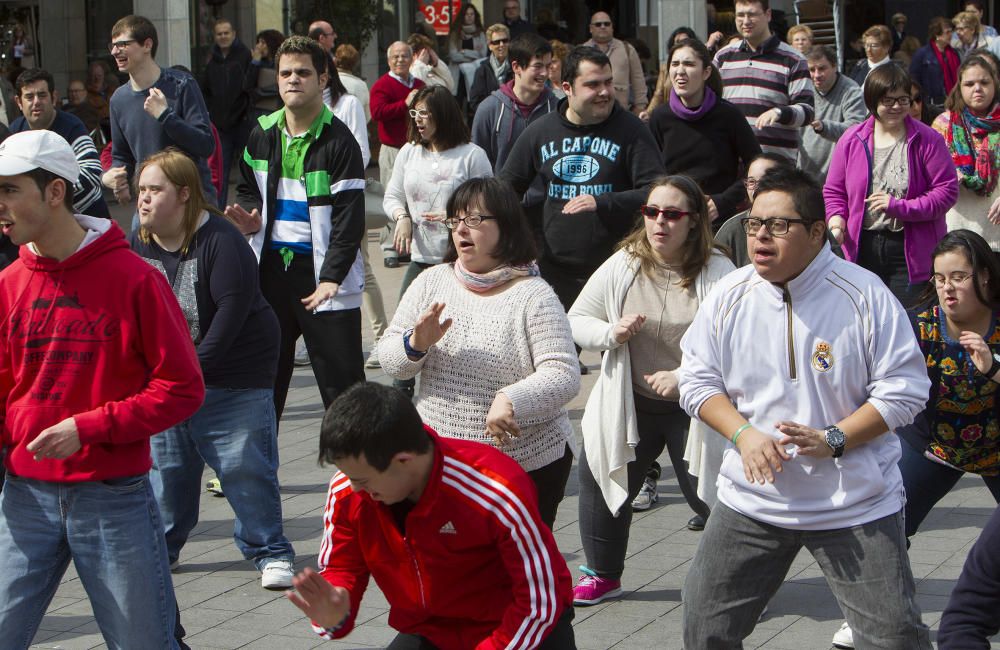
490	341
635	308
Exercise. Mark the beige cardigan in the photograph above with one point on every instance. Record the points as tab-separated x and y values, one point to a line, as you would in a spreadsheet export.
628	77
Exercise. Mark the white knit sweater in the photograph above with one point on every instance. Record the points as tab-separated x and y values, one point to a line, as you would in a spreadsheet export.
517	341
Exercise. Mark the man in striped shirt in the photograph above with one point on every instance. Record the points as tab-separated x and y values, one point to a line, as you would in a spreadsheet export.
768	80
449	529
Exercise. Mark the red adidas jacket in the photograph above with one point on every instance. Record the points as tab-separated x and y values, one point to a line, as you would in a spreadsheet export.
477	567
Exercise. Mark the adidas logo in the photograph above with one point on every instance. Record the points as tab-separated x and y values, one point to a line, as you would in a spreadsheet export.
448	529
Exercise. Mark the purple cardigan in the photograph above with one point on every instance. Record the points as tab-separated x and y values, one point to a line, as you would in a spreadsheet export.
933	190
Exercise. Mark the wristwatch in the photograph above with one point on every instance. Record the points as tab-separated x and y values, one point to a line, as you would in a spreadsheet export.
994	367
836	439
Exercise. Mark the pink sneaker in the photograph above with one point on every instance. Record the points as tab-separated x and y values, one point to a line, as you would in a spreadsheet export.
591	589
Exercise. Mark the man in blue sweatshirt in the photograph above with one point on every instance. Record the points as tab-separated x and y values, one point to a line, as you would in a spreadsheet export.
156	109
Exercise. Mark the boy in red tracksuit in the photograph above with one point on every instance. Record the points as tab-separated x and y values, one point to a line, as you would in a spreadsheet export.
95	358
449	529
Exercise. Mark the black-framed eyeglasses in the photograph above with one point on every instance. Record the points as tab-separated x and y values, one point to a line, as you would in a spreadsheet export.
470	220
955	279
889	102
670	214
775	226
603	23
500	41
121	45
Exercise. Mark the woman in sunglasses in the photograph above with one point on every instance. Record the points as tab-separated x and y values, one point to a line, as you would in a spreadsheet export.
437	158
701	134
635	309
890	183
490	341
959	334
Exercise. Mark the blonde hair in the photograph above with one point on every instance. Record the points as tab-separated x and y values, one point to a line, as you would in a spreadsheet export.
966	19
699	245
795	29
494	28
181	172
881	33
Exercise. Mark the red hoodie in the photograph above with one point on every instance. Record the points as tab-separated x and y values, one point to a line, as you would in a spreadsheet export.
476	568
99	337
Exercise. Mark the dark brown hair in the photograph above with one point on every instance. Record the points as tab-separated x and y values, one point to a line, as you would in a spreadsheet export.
714	80
954	102
883	80
140	28
450	129
516	246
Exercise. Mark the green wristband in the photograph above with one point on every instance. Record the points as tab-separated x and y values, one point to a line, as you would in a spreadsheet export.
739	431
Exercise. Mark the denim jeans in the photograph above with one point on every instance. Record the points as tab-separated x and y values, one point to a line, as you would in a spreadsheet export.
233	432
881	252
866	567
927	482
112	532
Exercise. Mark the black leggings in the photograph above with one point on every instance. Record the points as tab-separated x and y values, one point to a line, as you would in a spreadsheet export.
550	483
604	536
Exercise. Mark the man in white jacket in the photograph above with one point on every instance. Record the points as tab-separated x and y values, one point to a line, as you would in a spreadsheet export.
806	363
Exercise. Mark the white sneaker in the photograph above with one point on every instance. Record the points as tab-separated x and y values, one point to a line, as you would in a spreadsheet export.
301	354
276	574
844	638
372	362
647	496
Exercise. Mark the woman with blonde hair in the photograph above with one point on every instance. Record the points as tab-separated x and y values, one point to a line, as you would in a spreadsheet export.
801	38
635	309
877	41
214	275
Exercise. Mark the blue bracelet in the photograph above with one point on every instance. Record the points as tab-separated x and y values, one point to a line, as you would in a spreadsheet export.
410	352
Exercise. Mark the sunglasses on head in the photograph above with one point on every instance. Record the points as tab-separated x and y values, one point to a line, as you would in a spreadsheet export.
670	214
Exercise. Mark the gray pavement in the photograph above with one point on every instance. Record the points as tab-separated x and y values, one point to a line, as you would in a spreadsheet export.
223	605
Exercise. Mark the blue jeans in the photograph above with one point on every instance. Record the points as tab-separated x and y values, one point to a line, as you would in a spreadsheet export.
927	482
112	532
866	567
234	432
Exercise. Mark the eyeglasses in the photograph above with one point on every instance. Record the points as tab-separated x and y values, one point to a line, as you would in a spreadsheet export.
916	99
603	23
889	102
955	279
472	221
500	41
670	214
776	226
874	46
120	45
422	114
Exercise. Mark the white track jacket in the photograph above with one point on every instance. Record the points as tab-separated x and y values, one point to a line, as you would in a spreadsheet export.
811	352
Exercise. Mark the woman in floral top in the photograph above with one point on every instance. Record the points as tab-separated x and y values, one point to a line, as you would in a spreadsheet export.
959	431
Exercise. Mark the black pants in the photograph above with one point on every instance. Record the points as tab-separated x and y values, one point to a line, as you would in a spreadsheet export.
560	638
333	338
566	282
604	536
550	483
881	252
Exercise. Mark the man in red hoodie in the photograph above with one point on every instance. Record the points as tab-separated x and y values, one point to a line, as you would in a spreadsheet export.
95	357
448	528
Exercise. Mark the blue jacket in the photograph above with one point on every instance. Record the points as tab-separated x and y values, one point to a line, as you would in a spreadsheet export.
926	71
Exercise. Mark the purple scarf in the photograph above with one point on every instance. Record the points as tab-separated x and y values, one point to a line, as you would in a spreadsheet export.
692	114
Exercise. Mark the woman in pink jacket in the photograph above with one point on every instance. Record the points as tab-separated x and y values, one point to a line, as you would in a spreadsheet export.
891	181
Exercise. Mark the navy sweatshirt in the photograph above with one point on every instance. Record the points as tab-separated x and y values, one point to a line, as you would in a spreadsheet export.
217	284
616	161
973	612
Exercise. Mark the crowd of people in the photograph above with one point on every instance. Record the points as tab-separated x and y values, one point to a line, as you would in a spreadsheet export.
791	272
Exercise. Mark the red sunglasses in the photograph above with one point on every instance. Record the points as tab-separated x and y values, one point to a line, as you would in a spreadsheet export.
670	214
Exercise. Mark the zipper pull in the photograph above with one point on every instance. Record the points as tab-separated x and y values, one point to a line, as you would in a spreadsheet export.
286	256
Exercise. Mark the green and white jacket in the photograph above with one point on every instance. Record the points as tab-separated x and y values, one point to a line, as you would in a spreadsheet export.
325	166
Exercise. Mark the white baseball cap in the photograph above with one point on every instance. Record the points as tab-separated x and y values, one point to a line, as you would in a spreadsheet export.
41	149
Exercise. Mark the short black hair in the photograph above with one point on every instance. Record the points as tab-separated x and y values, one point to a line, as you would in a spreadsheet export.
31	75
807	197
687	31
776	158
883	80
42	178
578	55
526	47
450	129
516	245
273	38
371	419
304	45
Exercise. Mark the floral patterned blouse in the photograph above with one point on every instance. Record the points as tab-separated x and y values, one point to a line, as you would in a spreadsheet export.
962	410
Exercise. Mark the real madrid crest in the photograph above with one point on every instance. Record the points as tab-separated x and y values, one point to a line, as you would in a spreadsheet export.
822	359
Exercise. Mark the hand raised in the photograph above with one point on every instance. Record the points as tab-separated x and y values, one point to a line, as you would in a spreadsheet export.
429	328
156	103
628	326
323	603
248	223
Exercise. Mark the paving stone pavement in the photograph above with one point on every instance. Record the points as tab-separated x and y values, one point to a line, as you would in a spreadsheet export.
223	605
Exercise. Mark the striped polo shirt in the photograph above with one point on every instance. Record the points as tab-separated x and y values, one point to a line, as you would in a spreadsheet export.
773	76
291	209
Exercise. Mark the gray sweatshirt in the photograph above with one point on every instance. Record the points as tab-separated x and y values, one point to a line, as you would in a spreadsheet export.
842	107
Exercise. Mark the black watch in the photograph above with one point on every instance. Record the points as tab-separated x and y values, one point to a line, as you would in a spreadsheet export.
994	368
836	439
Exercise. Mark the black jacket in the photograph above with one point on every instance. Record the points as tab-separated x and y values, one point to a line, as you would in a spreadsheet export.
222	85
485	82
970	618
